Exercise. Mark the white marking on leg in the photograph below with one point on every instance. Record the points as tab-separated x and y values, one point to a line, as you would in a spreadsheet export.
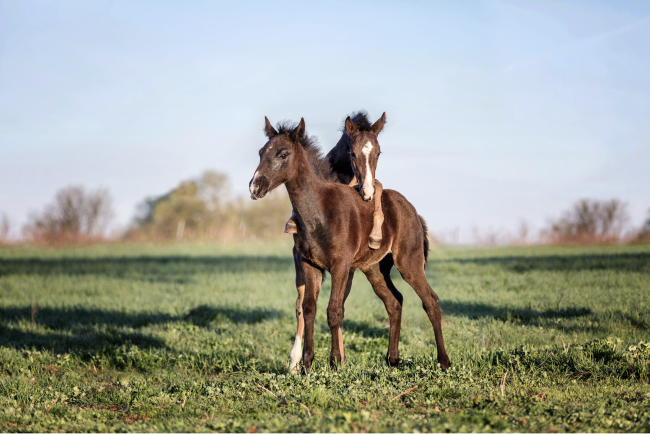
368	188
341	349
251	187
296	351
296	354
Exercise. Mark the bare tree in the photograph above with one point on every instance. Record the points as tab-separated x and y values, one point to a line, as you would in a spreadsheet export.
487	237
523	233
5	229
644	233
589	221
74	216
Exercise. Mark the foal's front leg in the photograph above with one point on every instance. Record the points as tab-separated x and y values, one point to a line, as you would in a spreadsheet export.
296	351
374	241
341	282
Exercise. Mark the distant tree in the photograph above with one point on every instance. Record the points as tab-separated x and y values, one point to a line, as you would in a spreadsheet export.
589	221
644	233
196	208
74	216
523	233
5	229
203	208
264	218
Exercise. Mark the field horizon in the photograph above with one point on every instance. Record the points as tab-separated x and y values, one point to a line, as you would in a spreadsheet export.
196	337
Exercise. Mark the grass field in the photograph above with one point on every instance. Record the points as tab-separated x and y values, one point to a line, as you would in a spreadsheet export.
196	338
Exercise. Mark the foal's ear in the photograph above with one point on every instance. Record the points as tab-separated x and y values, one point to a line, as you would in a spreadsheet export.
299	132
350	127
379	125
268	128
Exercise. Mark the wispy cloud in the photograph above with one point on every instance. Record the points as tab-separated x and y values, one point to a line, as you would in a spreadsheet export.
543	58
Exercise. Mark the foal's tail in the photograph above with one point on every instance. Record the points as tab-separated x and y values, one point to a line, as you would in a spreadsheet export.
425	240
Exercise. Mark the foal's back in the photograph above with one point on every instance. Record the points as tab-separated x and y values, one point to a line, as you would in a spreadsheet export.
350	218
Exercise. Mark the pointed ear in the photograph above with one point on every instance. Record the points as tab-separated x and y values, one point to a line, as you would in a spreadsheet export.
350	127
299	132
379	125
268	128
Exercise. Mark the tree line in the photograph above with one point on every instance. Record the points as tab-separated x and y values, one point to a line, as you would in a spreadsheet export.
201	208
204	208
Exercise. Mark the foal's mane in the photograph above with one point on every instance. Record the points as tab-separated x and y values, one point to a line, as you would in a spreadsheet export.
322	164
361	120
318	162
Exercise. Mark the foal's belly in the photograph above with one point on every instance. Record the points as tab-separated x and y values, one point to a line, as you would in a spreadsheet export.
366	256
317	254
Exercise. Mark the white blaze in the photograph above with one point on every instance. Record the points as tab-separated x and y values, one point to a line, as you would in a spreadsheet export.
368	188
251	187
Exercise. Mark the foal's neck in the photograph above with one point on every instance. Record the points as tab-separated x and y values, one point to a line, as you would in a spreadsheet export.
305	188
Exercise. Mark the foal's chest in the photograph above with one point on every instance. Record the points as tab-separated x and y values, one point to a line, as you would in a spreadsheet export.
311	249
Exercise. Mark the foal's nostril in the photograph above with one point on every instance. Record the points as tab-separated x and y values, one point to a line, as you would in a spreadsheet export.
254	189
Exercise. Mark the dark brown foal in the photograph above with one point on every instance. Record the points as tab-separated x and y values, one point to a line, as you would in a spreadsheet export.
352	161
333	227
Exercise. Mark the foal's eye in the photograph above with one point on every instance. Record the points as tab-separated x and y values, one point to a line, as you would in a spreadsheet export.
283	156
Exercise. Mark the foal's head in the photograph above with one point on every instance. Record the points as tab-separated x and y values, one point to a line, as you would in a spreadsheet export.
364	152
279	157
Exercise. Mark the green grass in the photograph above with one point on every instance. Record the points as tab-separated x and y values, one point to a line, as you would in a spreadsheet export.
196	338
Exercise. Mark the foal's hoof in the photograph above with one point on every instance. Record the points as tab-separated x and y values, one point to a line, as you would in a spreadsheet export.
290	228
374	243
294	370
444	363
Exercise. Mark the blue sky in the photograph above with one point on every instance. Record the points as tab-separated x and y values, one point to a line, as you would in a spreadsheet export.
497	110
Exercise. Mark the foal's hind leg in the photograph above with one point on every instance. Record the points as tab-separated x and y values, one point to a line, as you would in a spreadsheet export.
374	241
412	271
296	351
383	286
348	287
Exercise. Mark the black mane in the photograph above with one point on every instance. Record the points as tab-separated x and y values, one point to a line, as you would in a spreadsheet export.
360	118
318	162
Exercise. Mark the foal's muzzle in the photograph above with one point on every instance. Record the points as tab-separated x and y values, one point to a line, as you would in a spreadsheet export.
258	186
367	192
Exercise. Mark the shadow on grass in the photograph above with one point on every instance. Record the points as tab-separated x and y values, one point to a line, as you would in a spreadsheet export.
203	315
85	341
62	318
475	310
174	269
60	329
636	262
